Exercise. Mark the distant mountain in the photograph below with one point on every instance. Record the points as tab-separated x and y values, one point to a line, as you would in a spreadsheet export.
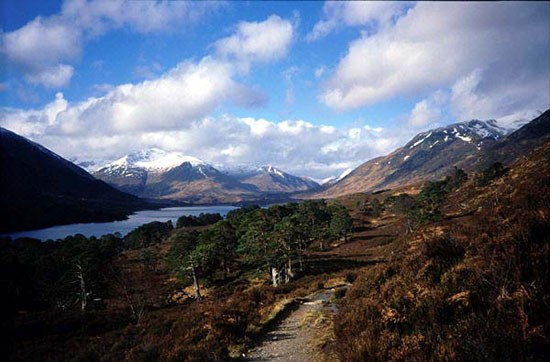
430	155
272	180
135	172
39	189
156	173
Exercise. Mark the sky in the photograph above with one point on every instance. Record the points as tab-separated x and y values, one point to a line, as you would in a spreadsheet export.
310	87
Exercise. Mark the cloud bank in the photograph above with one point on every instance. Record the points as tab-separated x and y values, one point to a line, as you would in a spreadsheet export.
174	112
490	56
91	131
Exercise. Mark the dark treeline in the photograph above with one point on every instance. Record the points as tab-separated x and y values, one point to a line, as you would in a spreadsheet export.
202	220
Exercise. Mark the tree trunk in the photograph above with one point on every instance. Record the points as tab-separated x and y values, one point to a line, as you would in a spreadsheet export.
83	294
196	285
275	276
301	261
409	226
289	274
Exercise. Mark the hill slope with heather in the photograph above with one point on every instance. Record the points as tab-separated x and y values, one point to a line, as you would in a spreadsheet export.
469	283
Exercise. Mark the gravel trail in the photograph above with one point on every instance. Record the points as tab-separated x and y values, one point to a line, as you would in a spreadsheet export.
298	337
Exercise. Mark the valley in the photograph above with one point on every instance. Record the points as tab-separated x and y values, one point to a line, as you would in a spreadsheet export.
244	316
309	181
361	275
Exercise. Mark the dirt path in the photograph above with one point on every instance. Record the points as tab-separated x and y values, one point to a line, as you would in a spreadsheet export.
299	337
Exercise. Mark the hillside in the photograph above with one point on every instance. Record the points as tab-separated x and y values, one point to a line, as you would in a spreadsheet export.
40	189
471	284
431	155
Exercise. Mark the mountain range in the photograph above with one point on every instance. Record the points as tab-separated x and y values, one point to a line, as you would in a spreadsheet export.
471	146
155	173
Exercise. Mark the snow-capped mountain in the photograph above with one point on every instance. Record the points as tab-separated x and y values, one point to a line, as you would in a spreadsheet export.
271	179
473	132
430	155
151	160
155	173
151	165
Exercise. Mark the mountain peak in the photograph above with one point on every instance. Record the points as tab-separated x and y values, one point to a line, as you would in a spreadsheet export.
334	179
272	171
155	159
473	131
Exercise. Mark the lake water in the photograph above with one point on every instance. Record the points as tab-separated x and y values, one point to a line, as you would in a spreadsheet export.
124	226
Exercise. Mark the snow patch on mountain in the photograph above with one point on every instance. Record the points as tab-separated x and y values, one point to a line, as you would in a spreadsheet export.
272	171
464	138
470	132
420	141
153	160
334	179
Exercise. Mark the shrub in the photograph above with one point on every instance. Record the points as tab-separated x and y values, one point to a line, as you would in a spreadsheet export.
489	174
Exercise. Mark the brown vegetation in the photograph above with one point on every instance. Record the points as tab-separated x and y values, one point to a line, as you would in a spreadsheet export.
468	288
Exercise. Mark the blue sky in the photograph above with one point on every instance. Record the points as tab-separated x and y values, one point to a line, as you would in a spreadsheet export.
314	88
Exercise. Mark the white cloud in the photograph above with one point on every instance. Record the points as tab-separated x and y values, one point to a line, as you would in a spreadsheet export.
422	114
42	47
428	112
39	46
54	77
85	131
147	71
184	94
438	46
288	76
47	40
264	41
141	16
378	14
471	98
